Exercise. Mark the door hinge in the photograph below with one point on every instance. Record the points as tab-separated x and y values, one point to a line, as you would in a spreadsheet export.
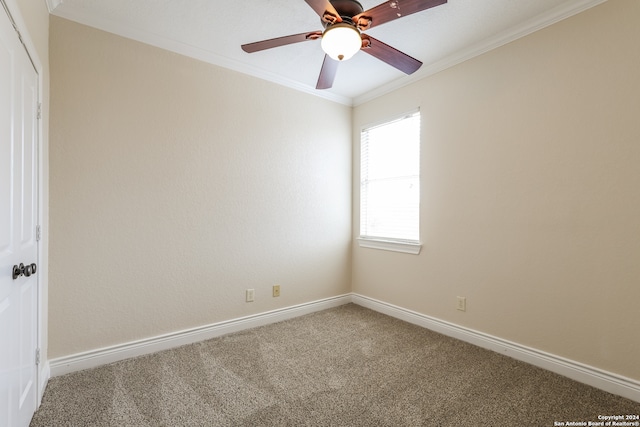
38	233
37	356
39	110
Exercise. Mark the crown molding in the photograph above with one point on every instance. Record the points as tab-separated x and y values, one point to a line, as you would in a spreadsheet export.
187	50
566	10
544	20
53	4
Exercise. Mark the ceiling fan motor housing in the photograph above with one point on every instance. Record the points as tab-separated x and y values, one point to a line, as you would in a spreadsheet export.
347	9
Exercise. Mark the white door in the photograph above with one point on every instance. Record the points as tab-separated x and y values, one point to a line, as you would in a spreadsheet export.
18	220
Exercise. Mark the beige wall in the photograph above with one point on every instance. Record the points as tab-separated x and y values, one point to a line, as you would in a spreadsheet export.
530	192
176	185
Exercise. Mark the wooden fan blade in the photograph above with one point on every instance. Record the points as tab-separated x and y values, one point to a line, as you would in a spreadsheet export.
325	10
394	9
390	55
281	41
327	73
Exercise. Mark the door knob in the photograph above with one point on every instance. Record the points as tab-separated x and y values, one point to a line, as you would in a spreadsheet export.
18	270
28	270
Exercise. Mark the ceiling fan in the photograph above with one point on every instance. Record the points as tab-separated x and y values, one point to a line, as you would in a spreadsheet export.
344	22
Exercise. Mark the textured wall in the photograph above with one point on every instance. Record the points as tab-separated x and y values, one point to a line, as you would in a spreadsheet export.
530	192
176	185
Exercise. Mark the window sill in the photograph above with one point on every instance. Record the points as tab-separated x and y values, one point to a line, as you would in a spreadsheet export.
390	245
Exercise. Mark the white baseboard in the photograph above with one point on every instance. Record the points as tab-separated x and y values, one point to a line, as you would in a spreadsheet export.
595	377
103	356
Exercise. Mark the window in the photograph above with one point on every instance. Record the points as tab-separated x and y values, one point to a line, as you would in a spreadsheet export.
390	185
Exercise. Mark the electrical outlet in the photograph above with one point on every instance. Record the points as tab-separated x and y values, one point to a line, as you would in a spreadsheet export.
250	295
276	290
462	304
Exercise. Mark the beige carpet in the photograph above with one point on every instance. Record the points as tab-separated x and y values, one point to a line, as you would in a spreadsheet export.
347	366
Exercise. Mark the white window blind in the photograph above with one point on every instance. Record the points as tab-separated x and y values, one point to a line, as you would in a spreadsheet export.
390	180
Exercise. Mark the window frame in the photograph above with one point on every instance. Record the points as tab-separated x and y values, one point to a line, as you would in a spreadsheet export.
386	243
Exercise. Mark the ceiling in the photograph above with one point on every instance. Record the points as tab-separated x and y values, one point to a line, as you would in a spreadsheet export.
213	30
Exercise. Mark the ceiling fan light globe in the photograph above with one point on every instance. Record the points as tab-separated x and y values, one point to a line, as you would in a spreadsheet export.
341	41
